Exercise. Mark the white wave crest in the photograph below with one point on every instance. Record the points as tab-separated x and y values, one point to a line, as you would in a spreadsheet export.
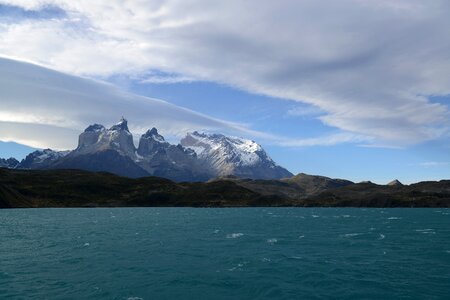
234	235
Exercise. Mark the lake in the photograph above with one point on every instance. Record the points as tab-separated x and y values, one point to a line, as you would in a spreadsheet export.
242	253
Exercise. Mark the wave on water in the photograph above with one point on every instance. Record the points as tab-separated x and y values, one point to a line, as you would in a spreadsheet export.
295	257
426	231
350	234
272	241
208	256
394	218
234	235
238	267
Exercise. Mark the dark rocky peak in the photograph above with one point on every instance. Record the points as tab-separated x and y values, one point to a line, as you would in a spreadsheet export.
95	128
151	142
122	125
395	182
41	159
153	134
9	163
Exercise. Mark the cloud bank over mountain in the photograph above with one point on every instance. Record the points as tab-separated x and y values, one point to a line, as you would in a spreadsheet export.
44	108
370	66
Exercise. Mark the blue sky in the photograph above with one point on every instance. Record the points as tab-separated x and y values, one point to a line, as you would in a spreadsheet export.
348	89
357	162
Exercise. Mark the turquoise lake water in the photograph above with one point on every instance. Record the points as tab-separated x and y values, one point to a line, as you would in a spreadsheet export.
250	253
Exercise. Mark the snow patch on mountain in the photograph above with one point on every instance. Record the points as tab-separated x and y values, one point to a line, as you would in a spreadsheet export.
241	151
41	159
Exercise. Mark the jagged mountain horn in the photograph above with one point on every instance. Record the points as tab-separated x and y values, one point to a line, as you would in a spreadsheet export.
151	142
199	157
100	149
97	138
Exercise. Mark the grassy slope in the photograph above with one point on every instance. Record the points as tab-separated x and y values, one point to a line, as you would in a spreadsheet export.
75	188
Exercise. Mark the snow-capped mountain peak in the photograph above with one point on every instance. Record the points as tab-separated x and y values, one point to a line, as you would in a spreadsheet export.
237	150
233	155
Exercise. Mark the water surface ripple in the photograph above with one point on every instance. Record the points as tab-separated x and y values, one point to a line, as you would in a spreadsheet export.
251	253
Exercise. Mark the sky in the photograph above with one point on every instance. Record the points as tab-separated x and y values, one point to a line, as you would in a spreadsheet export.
353	89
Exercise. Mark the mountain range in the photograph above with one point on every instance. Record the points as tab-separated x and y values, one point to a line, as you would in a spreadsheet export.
198	157
107	169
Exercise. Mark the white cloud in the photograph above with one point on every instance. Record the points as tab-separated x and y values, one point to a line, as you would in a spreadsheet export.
329	140
165	78
369	65
304	111
434	164
44	108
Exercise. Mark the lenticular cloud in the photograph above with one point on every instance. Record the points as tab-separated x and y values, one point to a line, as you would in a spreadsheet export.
45	108
369	66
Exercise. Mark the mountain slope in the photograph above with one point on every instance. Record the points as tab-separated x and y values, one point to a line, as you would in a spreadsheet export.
41	159
312	184
102	161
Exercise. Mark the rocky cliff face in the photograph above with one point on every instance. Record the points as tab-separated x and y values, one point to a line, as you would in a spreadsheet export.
159	158
97	138
151	142
233	156
100	149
